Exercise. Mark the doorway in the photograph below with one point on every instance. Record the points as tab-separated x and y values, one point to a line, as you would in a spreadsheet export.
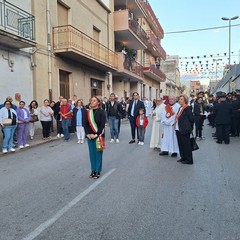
64	84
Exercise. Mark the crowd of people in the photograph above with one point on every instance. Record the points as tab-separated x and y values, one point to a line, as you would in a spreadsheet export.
173	122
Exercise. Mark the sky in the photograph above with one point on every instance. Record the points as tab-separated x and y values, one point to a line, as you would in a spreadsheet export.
178	15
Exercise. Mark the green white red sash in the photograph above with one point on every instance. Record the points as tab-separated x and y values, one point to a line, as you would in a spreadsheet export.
100	144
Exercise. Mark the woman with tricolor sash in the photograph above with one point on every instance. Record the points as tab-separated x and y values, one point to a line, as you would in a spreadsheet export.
184	125
94	124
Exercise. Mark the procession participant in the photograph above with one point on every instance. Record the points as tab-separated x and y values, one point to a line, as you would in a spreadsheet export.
156	135
169	138
184	125
223	112
235	117
94	124
114	113
199	117
141	123
58	118
148	107
133	111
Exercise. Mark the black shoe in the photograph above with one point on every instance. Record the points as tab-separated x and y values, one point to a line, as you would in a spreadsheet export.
92	174
183	162
174	155
180	160
218	142
164	153
97	175
226	142
156	149
132	141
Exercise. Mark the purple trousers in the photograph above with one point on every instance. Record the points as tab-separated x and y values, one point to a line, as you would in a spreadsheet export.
22	132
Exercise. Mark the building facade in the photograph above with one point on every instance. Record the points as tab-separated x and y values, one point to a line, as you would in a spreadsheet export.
17	37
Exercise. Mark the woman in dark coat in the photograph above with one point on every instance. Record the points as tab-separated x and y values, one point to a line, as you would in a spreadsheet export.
94	124
184	126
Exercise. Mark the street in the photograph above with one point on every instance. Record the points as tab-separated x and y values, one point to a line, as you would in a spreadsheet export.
45	193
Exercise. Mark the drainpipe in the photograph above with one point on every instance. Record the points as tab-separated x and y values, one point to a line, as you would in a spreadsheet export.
49	48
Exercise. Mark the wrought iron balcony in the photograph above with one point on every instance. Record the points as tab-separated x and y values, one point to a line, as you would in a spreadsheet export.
16	22
155	47
72	43
132	66
155	73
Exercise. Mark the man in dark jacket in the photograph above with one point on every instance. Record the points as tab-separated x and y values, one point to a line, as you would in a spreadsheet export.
223	112
114	112
236	116
133	111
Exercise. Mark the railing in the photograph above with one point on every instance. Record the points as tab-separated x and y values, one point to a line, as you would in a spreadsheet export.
153	40
17	20
69	37
137	29
152	68
133	66
151	15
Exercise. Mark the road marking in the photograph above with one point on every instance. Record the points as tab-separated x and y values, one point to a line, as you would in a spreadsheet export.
60	213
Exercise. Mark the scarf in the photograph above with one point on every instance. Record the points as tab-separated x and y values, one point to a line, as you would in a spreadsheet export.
180	112
100	144
169	111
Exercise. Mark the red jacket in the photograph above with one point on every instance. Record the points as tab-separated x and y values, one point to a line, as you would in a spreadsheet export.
65	109
145	121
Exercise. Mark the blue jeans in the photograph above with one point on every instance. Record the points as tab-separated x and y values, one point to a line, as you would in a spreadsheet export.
95	156
113	124
65	124
8	137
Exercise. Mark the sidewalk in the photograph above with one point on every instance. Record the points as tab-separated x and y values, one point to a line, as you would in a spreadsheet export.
33	143
38	139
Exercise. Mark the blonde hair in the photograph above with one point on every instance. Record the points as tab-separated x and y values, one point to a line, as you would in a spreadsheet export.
185	97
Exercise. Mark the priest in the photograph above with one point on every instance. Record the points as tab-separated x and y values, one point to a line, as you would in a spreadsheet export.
169	142
156	135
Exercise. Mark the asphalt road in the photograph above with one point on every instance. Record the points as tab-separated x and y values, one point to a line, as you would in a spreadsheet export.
45	193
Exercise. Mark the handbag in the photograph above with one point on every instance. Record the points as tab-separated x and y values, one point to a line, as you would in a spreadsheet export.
194	145
34	118
7	122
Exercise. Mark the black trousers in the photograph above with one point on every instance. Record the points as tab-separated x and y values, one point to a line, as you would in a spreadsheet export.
185	147
133	127
46	126
235	126
198	125
223	131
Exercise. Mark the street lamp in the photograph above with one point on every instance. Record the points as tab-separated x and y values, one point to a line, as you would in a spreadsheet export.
229	59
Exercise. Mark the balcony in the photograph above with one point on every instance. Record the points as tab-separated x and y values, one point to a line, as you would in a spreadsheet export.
128	31
155	47
152	19
70	42
155	73
129	68
133	6
17	27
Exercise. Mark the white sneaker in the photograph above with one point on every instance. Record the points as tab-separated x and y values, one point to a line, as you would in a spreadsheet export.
117	140
21	146
58	135
12	150
142	143
82	141
112	141
31	138
78	141
139	143
26	145
4	151
62	135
